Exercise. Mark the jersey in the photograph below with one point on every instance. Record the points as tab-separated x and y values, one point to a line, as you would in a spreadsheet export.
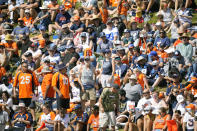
47	80
62	83
26	83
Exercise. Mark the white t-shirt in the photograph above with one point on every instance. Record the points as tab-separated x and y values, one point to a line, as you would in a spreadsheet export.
76	94
111	33
8	88
47	118
34	53
167	15
53	59
189	120
174	32
143	103
64	120
181	107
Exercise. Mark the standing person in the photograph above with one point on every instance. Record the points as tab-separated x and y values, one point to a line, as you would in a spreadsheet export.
28	83
107	69
47	90
108	102
61	84
87	78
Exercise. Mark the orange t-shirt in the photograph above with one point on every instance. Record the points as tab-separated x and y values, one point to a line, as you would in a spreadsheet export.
47	80
160	123
163	55
51	117
64	84
117	79
25	81
177	42
114	3
27	21
53	6
140	80
195	35
41	67
2	72
122	9
12	46
104	14
94	122
193	90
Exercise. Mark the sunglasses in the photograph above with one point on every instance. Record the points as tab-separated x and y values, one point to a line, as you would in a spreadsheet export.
87	59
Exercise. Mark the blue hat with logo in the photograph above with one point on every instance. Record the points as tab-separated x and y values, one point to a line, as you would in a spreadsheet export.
61	7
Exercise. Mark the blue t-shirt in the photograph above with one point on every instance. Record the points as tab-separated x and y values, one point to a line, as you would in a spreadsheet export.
62	18
75	26
168	90
84	118
46	21
21	30
165	41
121	70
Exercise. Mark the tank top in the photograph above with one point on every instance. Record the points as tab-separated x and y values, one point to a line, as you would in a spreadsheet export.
87	76
107	67
160	123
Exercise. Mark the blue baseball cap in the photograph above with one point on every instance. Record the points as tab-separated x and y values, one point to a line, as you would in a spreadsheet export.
153	53
131	46
61	66
61	7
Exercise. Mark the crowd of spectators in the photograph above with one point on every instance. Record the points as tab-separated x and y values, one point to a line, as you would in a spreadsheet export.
97	65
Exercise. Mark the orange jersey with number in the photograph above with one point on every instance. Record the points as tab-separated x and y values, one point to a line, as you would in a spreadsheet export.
64	84
25	82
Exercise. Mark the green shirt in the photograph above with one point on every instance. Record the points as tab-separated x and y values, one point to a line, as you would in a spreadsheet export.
109	98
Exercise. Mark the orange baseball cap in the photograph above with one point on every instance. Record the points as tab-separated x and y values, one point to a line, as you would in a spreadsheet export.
76	17
191	106
193	80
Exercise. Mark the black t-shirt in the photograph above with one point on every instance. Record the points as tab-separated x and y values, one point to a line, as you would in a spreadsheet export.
25	46
68	56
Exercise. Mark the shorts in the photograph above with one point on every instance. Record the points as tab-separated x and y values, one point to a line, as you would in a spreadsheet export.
104	81
139	20
63	103
89	94
49	101
107	118
28	102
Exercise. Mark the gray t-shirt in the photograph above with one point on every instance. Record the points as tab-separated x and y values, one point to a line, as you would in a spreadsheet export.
133	93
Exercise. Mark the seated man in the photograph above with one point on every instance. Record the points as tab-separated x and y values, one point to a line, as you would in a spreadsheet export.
79	119
62	18
156	75
22	118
